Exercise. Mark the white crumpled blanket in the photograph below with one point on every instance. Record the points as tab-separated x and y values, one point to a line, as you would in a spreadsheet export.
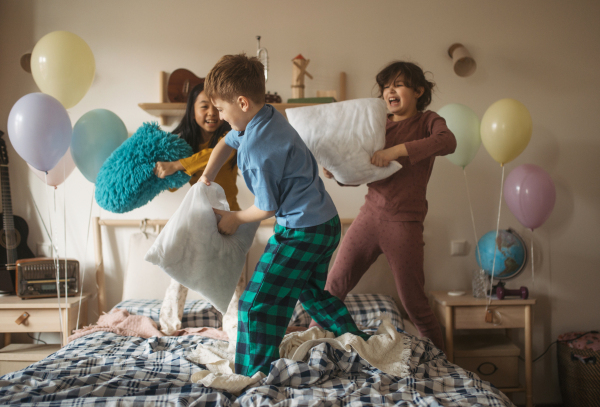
388	350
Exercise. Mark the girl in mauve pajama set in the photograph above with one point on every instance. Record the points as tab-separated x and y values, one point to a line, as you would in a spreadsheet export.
391	220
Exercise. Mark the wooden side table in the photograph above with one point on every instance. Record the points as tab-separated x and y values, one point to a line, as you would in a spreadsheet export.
41	315
17	356
467	312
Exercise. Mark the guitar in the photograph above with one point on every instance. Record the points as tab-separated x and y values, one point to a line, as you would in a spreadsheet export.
180	84
13	236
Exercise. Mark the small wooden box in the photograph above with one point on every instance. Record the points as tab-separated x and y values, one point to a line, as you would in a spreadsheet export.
493	358
17	356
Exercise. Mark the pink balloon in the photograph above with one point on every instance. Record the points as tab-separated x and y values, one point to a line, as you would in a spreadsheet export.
59	173
530	195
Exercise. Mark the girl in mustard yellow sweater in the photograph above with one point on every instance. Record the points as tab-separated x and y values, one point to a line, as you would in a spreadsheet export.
202	128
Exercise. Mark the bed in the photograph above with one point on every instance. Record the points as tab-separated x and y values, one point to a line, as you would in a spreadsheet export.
104	368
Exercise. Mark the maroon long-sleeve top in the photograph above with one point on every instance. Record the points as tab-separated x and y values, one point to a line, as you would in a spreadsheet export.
402	196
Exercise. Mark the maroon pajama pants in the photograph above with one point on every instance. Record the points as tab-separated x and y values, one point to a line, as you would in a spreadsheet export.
402	243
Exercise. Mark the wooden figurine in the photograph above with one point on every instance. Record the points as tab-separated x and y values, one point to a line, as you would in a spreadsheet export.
298	72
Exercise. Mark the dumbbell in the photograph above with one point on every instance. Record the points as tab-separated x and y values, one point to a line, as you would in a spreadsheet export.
502	292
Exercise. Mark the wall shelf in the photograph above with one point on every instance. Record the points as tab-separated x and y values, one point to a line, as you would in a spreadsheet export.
166	110
176	110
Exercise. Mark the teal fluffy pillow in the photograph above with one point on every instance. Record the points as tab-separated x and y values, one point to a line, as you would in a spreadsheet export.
126	180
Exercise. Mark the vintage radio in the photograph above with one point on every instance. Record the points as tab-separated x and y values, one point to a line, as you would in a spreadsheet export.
36	278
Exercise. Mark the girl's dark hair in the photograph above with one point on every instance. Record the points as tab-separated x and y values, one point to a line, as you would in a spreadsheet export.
414	78
191	132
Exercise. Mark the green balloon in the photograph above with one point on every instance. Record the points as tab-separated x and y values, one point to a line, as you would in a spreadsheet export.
464	123
95	136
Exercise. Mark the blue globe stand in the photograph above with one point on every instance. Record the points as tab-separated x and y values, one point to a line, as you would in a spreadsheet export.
505	256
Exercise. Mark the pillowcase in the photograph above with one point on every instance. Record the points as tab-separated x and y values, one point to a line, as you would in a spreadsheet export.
344	136
192	251
196	313
126	180
143	280
365	309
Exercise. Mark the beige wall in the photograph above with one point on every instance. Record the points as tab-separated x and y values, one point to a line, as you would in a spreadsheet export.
543	53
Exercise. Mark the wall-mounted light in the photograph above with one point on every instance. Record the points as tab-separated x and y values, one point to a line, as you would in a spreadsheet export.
25	62
462	61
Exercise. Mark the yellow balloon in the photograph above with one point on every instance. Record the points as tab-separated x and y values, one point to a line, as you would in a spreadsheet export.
506	129
63	66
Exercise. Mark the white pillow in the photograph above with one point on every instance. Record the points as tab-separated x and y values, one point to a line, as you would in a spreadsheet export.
143	280
344	136
192	251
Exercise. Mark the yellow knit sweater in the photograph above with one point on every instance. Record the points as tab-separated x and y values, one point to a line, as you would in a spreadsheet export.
226	178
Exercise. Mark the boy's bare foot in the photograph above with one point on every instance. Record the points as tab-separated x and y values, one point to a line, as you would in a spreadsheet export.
313	323
291	329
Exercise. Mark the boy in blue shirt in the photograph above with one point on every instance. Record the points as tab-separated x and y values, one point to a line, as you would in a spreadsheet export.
283	176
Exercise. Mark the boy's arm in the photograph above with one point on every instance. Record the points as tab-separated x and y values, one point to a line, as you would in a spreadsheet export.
441	141
219	156
230	221
382	158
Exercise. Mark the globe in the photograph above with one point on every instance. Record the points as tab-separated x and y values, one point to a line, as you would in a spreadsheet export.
510	253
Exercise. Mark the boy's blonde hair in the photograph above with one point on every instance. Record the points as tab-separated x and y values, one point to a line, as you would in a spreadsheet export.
236	75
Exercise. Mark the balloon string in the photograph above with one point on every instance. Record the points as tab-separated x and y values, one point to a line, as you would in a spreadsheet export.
37	209
54	254
87	236
65	229
532	263
472	218
56	260
95	265
496	241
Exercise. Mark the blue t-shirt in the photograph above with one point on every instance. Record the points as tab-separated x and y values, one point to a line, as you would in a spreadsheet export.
281	171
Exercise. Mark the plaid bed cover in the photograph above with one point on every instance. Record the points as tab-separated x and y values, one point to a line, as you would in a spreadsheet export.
196	313
109	370
366	310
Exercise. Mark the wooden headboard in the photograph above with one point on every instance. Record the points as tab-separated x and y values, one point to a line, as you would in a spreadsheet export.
98	254
377	280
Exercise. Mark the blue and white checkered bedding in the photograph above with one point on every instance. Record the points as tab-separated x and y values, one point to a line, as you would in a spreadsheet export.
366	309
108	369
196	313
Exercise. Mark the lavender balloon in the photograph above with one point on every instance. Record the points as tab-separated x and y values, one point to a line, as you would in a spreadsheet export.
530	195
59	173
39	129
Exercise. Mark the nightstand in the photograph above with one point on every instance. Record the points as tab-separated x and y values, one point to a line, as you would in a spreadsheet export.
467	312
36	315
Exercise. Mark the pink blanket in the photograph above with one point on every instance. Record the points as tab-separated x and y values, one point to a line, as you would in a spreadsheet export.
120	322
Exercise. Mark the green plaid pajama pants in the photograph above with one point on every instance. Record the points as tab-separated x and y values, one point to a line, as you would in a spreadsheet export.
293	267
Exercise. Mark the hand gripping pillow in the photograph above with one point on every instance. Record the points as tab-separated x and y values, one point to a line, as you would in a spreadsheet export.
126	180
192	251
344	136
